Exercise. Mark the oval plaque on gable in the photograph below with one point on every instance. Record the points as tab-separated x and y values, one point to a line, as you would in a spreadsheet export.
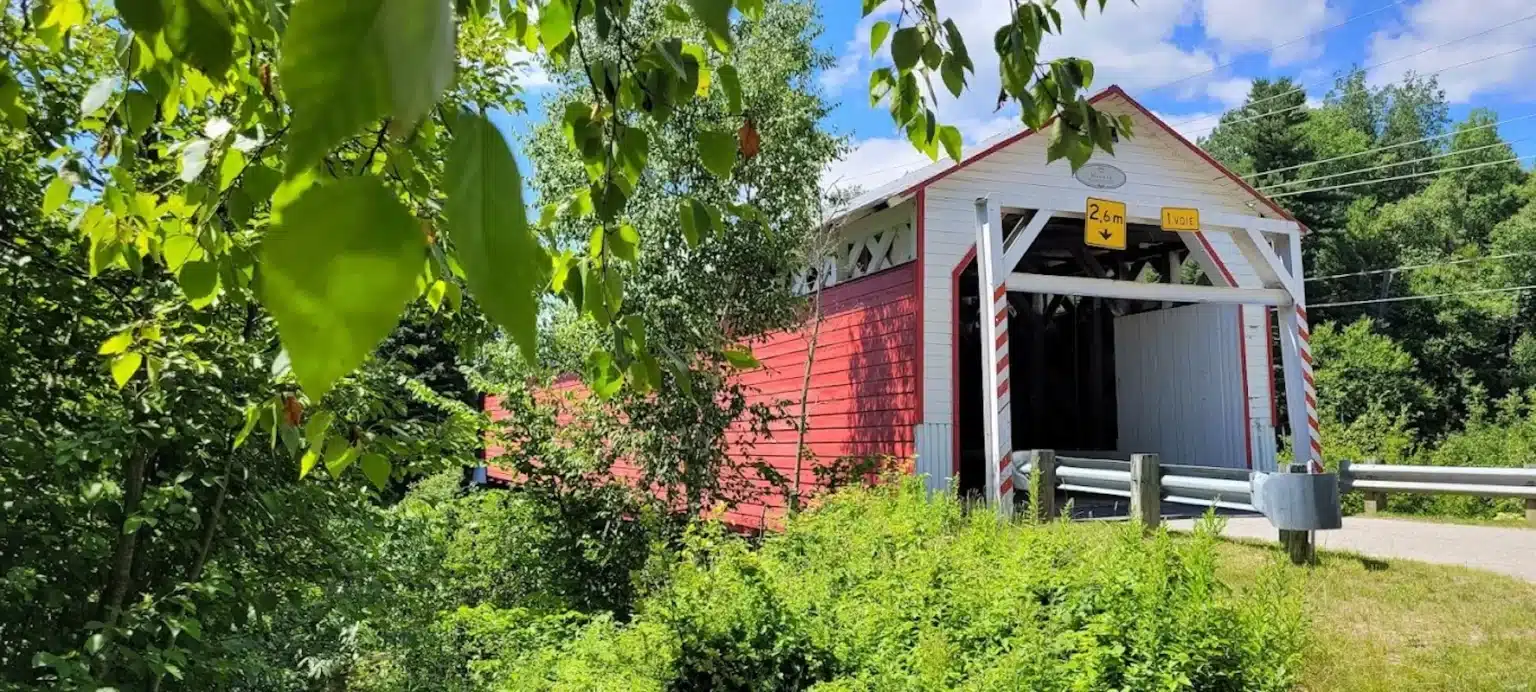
1100	176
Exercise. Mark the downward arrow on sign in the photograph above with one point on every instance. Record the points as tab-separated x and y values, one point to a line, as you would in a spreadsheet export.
1105	234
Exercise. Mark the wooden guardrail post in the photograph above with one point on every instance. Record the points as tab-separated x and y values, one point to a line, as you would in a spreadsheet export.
1146	490
1530	504
1042	480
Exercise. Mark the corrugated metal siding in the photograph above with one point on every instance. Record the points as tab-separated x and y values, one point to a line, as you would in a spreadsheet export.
935	454
1178	387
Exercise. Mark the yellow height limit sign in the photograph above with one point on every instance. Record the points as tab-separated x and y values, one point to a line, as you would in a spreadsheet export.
1105	225
1181	219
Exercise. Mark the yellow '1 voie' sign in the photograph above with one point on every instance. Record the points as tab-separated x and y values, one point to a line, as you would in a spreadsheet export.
1181	219
1105	223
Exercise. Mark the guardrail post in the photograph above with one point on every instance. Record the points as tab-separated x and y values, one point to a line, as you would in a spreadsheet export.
1530	504
1146	490
1042	483
1375	501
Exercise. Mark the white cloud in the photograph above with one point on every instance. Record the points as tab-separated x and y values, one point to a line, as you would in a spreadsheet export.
1430	23
528	69
1284	26
878	160
1230	92
1192	126
855	61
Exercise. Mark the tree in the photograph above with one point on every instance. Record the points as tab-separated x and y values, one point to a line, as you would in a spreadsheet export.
726	283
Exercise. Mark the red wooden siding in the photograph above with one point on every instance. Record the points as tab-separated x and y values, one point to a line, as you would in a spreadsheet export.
863	396
864	387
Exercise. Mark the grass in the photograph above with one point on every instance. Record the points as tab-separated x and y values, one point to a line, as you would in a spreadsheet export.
1402	625
1505	521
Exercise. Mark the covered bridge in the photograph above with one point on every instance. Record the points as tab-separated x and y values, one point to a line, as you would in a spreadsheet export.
1003	303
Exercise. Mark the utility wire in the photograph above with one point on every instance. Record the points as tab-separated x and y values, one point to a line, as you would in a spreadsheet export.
1401	177
1274	48
1298	106
1412	267
1489	30
1388	147
1395	163
1400	299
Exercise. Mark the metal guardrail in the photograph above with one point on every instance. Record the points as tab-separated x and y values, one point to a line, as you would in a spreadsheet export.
1203	486
1148	482
1435	480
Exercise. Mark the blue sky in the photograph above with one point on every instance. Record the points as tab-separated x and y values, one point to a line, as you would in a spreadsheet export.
1188	60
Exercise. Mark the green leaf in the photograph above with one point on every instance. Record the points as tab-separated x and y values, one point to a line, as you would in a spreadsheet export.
716	17
308	461
504	264
252	415
877	34
717	150
138	111
338	455
177	250
346	64
687	212
230	168
11	99
730	83
625	242
949	136
337	271
435	294
675	12
199	280
198	32
751	9
741	358
143	16
555	23
634	153
124	366
95	642
953	75
316	428
376	469
118	343
906	48
57	194
880	83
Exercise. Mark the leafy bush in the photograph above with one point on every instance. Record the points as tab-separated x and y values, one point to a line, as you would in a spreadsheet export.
888	589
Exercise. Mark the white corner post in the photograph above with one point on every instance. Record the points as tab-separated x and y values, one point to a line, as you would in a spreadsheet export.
1296	357
997	422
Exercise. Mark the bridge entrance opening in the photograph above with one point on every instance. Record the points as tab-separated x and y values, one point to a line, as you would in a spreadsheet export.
1066	382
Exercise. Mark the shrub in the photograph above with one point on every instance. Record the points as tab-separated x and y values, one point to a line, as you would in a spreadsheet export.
887	589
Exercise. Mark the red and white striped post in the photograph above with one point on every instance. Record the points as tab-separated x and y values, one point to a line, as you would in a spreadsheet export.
997	422
1296	354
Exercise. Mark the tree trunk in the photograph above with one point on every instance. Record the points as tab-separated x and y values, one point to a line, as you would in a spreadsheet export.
120	571
805	393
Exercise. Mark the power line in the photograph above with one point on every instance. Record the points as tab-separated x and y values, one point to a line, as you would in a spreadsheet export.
1274	48
1412	267
1400	299
1490	30
1401	177
1527	46
1395	163
1389	147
